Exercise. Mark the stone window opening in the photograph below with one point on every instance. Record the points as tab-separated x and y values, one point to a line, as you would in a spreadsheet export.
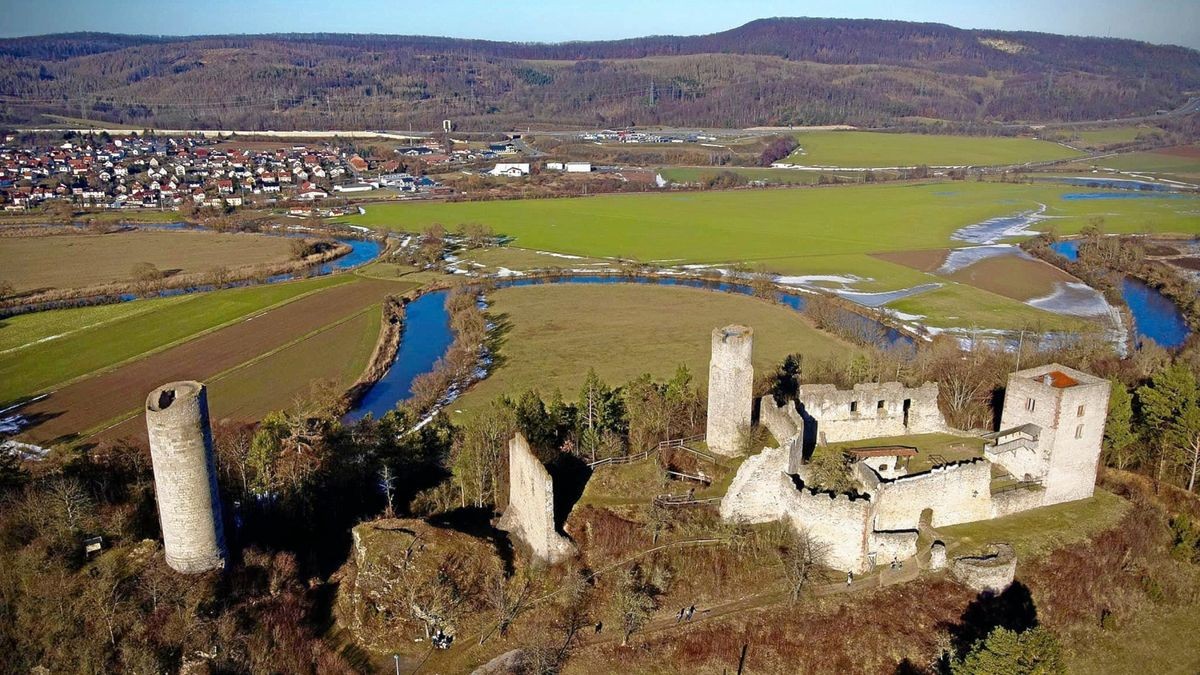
853	406
907	406
1030	405
1079	431
1079	413
880	406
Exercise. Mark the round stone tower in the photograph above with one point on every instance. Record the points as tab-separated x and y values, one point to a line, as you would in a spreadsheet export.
730	387
185	477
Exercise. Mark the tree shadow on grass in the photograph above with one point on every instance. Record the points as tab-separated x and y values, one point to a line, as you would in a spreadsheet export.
501	326
478	522
571	475
1013	609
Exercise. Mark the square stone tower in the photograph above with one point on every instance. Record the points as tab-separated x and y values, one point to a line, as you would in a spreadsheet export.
730	387
1052	427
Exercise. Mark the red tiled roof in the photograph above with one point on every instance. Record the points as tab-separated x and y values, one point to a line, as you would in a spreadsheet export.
1058	379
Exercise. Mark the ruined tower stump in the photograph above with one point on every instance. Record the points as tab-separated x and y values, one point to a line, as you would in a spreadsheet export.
730	387
185	477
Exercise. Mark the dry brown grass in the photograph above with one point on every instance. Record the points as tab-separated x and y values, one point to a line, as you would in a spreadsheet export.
74	261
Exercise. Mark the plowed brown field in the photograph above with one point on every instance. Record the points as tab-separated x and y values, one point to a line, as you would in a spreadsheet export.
90	403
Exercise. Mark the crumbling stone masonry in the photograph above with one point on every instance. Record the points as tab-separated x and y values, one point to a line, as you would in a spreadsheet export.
730	387
530	512
1052	426
953	493
993	571
185	477
786	425
937	556
870	411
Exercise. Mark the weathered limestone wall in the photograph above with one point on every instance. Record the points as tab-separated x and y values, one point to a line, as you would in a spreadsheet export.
1077	444
1072	428
992	572
786	425
757	492
1013	501
956	493
937	556
185	477
839	522
762	492
889	546
855	414
530	512
730	387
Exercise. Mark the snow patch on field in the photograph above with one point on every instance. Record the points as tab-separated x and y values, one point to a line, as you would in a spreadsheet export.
24	451
994	230
812	279
961	258
1074	298
882	298
560	255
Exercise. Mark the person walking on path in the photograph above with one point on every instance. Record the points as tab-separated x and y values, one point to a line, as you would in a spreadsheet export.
849	578
690	612
679	618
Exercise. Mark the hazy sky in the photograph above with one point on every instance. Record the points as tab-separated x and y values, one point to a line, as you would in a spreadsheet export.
1160	21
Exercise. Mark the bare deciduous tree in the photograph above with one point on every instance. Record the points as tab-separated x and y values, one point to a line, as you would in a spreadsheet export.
802	559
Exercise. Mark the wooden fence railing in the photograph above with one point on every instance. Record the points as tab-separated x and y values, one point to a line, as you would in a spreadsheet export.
674	443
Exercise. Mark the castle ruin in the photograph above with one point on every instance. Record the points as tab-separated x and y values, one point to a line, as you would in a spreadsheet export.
529	515
730	388
1051	429
869	411
185	477
1046	453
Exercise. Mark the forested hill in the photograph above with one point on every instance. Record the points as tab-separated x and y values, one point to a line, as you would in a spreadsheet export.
770	71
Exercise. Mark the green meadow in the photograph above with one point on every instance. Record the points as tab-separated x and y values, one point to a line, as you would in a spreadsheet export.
813	231
854	149
800	231
1182	160
695	174
48	348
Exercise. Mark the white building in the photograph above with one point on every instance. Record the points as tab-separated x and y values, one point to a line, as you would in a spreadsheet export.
512	169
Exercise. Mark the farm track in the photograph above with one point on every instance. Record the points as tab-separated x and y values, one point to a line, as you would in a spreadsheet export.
80	407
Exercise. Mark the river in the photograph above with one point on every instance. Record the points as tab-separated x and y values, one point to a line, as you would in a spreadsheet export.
1155	317
361	252
427	335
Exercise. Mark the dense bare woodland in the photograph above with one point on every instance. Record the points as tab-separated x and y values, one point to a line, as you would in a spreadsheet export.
770	71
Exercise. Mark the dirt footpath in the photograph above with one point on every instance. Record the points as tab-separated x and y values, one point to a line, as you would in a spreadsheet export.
84	405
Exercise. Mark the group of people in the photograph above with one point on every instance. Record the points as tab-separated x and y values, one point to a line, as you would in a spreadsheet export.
685	614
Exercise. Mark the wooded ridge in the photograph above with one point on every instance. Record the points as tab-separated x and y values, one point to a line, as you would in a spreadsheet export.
767	72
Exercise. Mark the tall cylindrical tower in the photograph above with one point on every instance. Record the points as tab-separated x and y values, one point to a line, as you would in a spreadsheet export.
730	387
185	477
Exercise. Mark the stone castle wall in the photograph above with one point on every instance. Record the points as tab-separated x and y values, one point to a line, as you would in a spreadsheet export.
870	410
1071	421
1017	500
757	493
993	572
889	546
786	425
730	388
530	512
185	477
955	493
840	522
